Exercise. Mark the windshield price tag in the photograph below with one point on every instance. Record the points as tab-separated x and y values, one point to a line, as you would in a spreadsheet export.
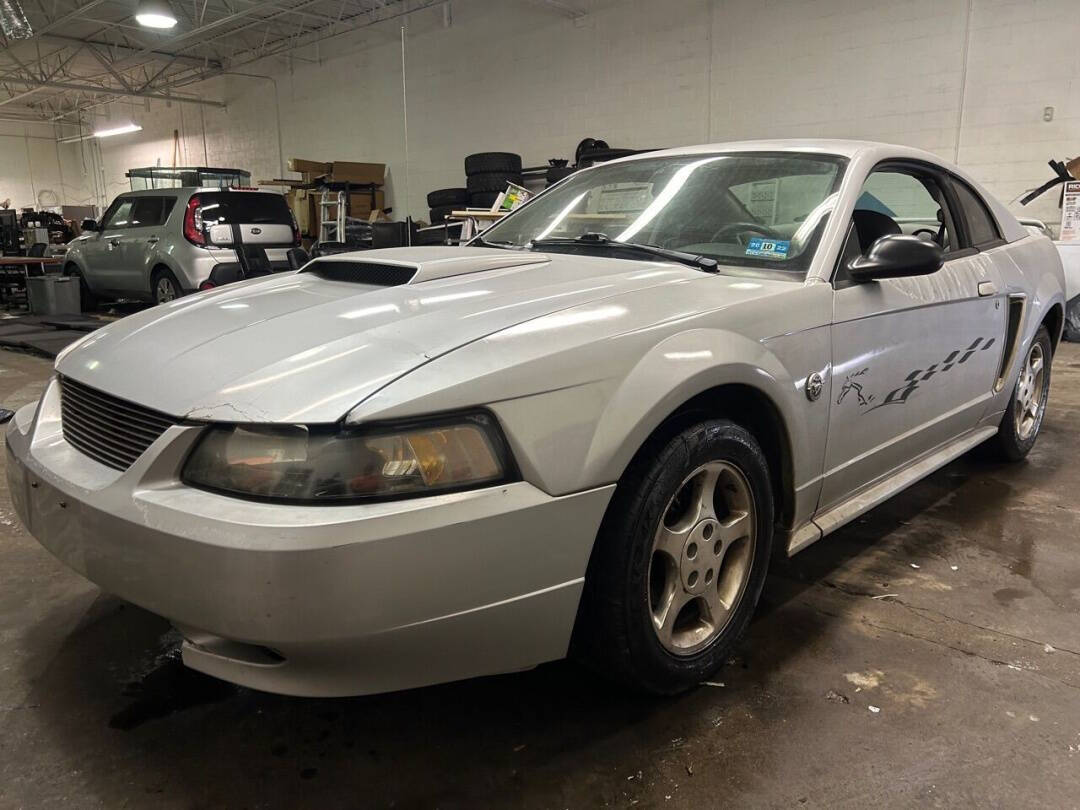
768	248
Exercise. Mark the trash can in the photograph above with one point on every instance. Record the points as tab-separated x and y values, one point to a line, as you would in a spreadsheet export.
53	295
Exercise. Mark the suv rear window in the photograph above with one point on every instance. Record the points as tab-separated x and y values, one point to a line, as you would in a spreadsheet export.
245	208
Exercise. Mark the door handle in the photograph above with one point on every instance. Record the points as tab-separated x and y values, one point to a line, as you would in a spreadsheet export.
153	240
114	242
987	288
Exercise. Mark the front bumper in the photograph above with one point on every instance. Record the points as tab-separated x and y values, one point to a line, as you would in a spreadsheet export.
311	600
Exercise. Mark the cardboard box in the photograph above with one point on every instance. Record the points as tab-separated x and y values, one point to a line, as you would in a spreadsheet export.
308	167
342	171
360	204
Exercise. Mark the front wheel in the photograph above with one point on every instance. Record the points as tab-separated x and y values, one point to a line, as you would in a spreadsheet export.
1023	418
87	300
680	560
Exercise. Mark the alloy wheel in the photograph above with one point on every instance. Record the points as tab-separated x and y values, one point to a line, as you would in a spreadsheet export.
702	556
166	290
1030	400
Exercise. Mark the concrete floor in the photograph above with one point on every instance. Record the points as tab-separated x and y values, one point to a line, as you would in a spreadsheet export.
962	687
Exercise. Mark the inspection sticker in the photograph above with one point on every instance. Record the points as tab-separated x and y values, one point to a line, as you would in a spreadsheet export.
768	248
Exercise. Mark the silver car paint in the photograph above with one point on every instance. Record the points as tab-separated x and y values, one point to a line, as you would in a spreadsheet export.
120	262
579	358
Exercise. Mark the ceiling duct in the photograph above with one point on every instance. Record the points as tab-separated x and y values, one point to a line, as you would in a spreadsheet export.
13	20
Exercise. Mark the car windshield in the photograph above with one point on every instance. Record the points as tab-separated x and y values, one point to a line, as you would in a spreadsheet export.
762	212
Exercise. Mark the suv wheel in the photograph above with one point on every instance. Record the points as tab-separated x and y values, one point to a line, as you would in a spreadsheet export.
680	560
164	286
87	300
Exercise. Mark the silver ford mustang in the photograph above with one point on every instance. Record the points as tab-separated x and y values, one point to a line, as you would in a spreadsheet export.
584	433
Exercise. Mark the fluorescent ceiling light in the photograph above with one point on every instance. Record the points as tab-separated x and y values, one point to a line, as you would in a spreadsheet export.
154	14
119	130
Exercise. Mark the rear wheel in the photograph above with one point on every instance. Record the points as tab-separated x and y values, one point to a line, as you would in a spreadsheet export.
1023	418
680	560
164	286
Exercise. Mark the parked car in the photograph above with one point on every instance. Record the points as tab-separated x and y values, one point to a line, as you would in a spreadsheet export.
585	432
160	244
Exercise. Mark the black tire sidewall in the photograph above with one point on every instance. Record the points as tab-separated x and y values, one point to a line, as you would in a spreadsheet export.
492	182
493	162
87	299
625	551
447	197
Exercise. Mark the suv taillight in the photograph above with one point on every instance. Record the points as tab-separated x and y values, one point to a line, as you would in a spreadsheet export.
193	231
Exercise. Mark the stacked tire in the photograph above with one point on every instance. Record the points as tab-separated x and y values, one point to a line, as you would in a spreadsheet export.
488	174
444	200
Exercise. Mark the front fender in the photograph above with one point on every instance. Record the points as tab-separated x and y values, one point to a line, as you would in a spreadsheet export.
675	371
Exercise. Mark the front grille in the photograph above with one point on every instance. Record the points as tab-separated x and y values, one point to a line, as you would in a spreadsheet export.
110	430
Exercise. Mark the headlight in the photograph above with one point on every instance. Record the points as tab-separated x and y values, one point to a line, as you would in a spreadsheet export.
330	464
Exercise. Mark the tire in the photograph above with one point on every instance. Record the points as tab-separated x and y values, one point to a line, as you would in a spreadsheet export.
492	162
557	173
479	183
1016	436
161	280
627	577
590	157
88	302
439	215
444	197
484	199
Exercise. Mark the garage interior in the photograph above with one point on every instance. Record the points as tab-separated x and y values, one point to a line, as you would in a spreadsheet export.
926	654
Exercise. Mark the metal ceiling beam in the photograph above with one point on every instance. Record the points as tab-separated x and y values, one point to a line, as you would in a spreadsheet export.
125	51
74	14
113	91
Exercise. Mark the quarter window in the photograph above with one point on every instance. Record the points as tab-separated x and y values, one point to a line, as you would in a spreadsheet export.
981	225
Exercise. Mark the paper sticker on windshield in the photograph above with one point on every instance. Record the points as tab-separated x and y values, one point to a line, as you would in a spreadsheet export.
768	248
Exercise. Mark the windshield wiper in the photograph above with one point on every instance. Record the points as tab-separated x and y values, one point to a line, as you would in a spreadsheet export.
601	241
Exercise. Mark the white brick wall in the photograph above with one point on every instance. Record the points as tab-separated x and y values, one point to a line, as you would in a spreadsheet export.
512	75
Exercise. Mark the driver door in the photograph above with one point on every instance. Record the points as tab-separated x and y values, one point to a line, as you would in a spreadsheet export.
915	359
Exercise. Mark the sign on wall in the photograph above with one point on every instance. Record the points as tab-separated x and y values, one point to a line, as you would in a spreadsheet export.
1070	212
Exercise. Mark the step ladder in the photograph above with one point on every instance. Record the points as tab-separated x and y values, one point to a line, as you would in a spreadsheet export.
332	223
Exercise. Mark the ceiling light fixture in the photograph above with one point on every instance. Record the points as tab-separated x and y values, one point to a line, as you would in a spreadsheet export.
154	14
122	129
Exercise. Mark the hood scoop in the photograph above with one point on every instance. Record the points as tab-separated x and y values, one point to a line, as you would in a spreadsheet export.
371	273
397	266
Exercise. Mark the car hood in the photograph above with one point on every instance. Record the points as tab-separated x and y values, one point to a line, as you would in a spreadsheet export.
308	346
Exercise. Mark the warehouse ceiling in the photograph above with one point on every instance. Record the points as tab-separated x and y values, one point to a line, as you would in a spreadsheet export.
80	54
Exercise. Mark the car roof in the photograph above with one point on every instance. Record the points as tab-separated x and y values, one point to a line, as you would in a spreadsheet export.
178	190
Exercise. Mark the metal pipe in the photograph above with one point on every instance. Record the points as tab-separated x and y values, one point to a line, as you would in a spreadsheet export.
277	111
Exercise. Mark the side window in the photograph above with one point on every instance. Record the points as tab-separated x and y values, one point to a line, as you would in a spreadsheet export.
167	206
899	201
118	215
981	226
146	212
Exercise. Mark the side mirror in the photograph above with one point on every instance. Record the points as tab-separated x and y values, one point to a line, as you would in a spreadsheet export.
89	225
897	256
